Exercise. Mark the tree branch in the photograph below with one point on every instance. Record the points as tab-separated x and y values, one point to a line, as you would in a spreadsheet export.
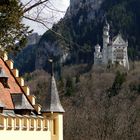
56	33
34	5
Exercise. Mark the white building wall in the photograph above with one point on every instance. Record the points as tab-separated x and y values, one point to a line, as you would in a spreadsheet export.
108	50
24	135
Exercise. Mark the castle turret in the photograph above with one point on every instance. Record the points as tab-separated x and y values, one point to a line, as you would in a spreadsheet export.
97	48
52	108
114	50
106	33
97	55
106	39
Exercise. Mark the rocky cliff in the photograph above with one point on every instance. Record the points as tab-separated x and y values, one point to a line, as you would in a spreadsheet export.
78	15
92	7
25	60
81	29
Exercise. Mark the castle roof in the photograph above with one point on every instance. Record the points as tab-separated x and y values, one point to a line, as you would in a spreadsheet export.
16	96
21	102
52	101
118	40
97	46
12	96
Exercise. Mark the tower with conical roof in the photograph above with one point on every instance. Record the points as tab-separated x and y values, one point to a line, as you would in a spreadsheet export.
52	107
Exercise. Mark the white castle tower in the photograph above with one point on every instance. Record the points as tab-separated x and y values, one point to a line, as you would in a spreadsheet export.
105	42
114	51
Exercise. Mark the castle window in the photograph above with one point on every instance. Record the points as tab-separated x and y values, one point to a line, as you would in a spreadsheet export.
32	121
17	123
1	107
119	54
22	105
24	123
1	122
9	122
4	82
45	124
54	126
3	78
39	121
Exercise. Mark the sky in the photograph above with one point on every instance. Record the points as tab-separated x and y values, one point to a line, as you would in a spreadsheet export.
51	16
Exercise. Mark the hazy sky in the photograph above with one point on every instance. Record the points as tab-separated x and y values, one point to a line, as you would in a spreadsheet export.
52	16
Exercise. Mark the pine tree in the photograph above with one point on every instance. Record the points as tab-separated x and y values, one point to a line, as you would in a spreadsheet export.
12	30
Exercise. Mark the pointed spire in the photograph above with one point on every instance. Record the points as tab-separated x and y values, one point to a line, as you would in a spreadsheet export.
51	62
106	26
52	102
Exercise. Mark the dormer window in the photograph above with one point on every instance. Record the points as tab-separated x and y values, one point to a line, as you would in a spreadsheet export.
3	78
1	107
21	104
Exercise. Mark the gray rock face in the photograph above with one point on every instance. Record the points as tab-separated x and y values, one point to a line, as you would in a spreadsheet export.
44	52
33	39
47	48
91	6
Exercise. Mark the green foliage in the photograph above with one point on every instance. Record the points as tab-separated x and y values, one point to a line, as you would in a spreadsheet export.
119	14
12	30
27	77
124	16
109	65
90	108
134	87
79	35
69	86
77	80
117	84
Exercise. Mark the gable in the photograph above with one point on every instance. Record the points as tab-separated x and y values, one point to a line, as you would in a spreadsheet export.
13	88
118	40
20	101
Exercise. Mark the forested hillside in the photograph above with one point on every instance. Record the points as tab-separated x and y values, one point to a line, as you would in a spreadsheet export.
83	24
102	104
81	28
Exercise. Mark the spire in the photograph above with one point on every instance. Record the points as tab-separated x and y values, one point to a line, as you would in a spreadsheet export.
52	102
106	26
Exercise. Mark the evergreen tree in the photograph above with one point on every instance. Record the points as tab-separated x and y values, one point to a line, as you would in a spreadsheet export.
12	30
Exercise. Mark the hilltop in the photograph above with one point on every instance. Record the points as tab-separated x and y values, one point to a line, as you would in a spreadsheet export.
99	104
81	29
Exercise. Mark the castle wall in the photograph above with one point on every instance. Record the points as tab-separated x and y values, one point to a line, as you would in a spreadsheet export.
56	125
24	135
13	126
17	127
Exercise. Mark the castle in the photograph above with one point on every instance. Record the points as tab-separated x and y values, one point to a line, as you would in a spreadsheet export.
20	116
113	51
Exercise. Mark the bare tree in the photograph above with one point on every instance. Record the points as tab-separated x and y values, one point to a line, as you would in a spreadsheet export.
36	10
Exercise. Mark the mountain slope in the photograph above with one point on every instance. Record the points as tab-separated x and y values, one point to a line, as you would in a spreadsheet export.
102	104
81	29
83	23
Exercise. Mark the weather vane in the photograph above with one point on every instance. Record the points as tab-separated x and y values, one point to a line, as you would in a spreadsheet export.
51	63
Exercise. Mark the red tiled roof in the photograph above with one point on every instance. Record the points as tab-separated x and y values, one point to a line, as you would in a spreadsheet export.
5	93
